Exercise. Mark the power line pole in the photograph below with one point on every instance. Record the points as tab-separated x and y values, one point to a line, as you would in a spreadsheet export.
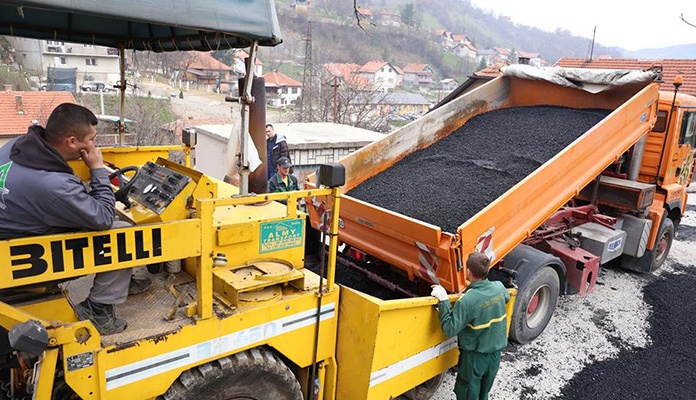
307	77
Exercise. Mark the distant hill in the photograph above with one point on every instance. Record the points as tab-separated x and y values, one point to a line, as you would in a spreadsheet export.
680	51
336	36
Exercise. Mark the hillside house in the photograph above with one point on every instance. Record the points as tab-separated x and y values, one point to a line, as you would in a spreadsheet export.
400	103
527	58
20	110
417	75
467	51
443	37
382	75
504	55
388	18
93	63
238	64
670	69
281	90
364	13
347	73
448	84
202	68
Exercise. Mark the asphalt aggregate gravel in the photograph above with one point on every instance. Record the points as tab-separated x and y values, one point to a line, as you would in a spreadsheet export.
450	181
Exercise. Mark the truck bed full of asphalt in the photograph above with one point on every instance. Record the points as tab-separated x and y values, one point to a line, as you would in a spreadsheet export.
450	181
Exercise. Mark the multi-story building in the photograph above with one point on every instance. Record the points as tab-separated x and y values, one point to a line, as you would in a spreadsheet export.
93	63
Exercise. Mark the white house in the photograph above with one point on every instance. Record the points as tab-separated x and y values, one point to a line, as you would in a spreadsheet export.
281	90
93	63
382	74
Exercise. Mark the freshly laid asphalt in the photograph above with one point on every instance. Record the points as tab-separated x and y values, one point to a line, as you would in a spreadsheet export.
666	369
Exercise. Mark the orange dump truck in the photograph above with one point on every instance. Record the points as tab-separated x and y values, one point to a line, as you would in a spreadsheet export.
617	192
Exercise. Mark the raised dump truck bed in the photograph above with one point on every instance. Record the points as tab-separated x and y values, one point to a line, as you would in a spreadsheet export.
432	250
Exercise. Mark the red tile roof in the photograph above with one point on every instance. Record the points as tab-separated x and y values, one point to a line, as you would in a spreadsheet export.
372	66
414	68
526	54
364	11
243	55
35	106
276	79
491	71
671	68
348	72
205	61
502	51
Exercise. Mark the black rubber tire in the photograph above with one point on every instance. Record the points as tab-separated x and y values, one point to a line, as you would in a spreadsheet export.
427	389
663	244
256	374
524	326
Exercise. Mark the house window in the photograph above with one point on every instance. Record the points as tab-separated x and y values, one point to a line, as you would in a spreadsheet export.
61	60
91	61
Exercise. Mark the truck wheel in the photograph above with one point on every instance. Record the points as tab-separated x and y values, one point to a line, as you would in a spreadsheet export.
536	301
427	389
653	259
256	374
663	244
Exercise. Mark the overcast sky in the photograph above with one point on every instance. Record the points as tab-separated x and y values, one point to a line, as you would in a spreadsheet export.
631	25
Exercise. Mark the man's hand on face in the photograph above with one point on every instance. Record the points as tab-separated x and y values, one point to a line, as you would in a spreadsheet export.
92	158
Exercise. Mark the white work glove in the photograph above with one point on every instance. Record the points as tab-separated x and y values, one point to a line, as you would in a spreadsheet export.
439	293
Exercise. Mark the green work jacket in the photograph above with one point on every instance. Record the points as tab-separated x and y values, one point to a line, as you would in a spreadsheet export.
478	317
276	184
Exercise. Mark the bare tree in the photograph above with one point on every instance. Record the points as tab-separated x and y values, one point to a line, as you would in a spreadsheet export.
352	101
686	22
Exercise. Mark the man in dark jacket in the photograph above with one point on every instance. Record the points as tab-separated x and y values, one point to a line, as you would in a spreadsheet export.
478	318
282	181
41	195
276	147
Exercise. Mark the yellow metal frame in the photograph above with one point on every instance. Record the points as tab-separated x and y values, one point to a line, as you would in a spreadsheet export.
197	239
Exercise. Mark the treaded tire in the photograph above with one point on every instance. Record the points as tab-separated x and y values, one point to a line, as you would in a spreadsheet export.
653	259
256	374
529	318
660	253
427	389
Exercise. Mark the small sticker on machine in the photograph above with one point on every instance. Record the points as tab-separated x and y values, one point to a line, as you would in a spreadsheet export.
614	245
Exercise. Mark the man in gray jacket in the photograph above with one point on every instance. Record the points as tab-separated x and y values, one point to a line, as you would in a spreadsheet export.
41	195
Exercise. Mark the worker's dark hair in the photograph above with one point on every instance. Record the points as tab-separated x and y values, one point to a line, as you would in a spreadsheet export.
478	264
269	126
69	119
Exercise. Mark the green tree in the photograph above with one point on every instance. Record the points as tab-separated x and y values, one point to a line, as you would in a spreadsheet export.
408	14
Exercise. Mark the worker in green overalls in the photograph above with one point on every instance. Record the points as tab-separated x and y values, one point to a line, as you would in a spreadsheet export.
478	318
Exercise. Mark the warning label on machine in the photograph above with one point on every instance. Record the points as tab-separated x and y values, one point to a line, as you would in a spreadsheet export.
281	235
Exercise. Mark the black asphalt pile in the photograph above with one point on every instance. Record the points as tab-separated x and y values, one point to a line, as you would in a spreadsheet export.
664	370
353	279
453	179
